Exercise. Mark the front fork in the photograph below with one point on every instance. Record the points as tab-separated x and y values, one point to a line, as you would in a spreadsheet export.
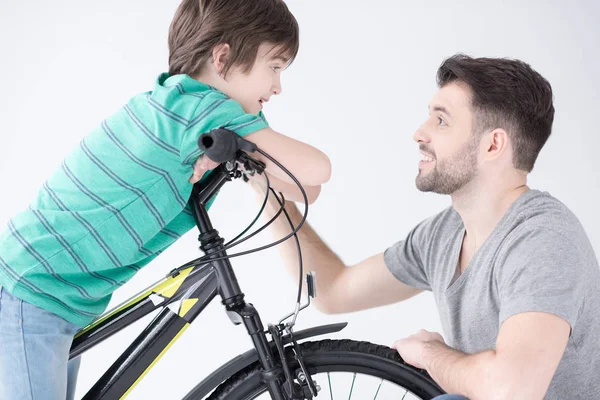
238	310
241	312
276	372
245	313
306	388
276	375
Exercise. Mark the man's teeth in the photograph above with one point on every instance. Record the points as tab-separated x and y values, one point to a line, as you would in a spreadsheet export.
426	158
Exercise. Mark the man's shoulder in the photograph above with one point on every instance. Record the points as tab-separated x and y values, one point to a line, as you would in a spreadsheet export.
438	231
542	212
541	224
447	220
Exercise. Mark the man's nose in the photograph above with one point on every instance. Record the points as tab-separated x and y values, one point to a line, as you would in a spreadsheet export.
421	135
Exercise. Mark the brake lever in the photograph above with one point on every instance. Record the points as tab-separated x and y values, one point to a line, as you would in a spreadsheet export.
250	164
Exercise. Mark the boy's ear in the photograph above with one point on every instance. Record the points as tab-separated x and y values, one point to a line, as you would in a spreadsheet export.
220	54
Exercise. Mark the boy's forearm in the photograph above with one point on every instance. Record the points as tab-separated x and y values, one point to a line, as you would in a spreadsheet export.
308	164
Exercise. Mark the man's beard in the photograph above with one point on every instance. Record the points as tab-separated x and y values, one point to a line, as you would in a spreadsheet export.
449	176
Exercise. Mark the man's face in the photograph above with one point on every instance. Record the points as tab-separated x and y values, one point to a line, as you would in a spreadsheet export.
256	87
448	148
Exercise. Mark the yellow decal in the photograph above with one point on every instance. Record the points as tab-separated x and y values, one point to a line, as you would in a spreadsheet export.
186	305
167	289
170	286
155	360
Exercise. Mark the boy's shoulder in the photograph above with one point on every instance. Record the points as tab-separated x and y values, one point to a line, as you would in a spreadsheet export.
184	96
189	102
179	109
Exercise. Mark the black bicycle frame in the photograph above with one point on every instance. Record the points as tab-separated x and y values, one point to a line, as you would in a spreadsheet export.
183	296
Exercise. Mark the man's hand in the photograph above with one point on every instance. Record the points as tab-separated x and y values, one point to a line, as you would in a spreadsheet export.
202	164
528	350
411	349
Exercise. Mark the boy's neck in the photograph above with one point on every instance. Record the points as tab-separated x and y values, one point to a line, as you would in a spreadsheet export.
208	79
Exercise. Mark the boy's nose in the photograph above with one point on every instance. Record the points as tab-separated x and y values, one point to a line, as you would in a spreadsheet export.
276	89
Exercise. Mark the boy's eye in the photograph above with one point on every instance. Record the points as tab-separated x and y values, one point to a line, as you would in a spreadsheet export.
275	68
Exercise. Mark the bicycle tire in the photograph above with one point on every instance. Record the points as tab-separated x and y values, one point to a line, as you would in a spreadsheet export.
336	356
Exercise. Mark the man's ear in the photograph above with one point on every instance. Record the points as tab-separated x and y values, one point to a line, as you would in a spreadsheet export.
496	144
220	55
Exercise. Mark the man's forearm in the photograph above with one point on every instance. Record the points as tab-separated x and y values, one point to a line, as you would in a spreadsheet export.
291	191
457	372
316	255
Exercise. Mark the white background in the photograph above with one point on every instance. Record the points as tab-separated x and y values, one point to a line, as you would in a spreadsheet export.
358	90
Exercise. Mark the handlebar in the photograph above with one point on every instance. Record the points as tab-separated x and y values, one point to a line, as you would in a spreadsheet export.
228	149
222	145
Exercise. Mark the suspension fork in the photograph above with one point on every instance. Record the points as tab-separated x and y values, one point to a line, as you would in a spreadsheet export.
233	299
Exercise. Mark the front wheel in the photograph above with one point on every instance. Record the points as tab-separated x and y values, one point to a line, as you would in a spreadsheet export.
343	369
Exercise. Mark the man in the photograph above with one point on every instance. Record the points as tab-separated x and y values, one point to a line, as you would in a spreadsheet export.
513	273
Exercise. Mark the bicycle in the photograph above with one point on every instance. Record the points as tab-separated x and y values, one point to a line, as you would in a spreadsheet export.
286	367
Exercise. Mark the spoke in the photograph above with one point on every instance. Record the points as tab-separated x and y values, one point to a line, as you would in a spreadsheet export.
378	389
352	387
371	387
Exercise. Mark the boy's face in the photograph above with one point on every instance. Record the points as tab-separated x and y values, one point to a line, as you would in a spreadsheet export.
256	87
448	147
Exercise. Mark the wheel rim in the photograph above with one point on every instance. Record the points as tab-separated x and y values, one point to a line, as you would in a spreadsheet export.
345	385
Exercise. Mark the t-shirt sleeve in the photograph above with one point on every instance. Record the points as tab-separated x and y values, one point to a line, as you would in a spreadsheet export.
407	258
541	271
216	111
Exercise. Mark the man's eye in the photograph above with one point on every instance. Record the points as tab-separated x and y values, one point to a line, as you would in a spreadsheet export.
275	69
442	122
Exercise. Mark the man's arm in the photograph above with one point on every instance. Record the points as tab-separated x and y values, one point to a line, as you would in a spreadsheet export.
290	190
340	288
528	350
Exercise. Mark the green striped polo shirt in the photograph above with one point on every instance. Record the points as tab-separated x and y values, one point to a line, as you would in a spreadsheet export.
117	201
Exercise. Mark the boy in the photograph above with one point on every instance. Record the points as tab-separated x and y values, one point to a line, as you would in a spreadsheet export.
120	198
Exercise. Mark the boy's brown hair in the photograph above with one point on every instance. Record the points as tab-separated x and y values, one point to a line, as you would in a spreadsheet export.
200	25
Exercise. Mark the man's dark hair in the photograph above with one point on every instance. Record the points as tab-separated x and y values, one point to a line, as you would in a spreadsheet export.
506	94
200	25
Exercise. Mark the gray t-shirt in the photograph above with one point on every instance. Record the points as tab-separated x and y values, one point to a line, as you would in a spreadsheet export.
538	258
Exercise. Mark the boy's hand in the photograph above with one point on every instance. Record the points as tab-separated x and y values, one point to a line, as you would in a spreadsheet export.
202	164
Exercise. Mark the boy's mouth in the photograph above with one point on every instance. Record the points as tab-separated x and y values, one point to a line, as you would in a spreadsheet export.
261	101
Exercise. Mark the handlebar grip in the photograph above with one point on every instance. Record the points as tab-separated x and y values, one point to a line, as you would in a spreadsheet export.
221	145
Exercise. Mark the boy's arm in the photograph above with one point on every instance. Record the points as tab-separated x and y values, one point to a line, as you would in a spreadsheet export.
308	164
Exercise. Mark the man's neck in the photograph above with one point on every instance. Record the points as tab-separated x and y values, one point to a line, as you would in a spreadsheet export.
483	203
